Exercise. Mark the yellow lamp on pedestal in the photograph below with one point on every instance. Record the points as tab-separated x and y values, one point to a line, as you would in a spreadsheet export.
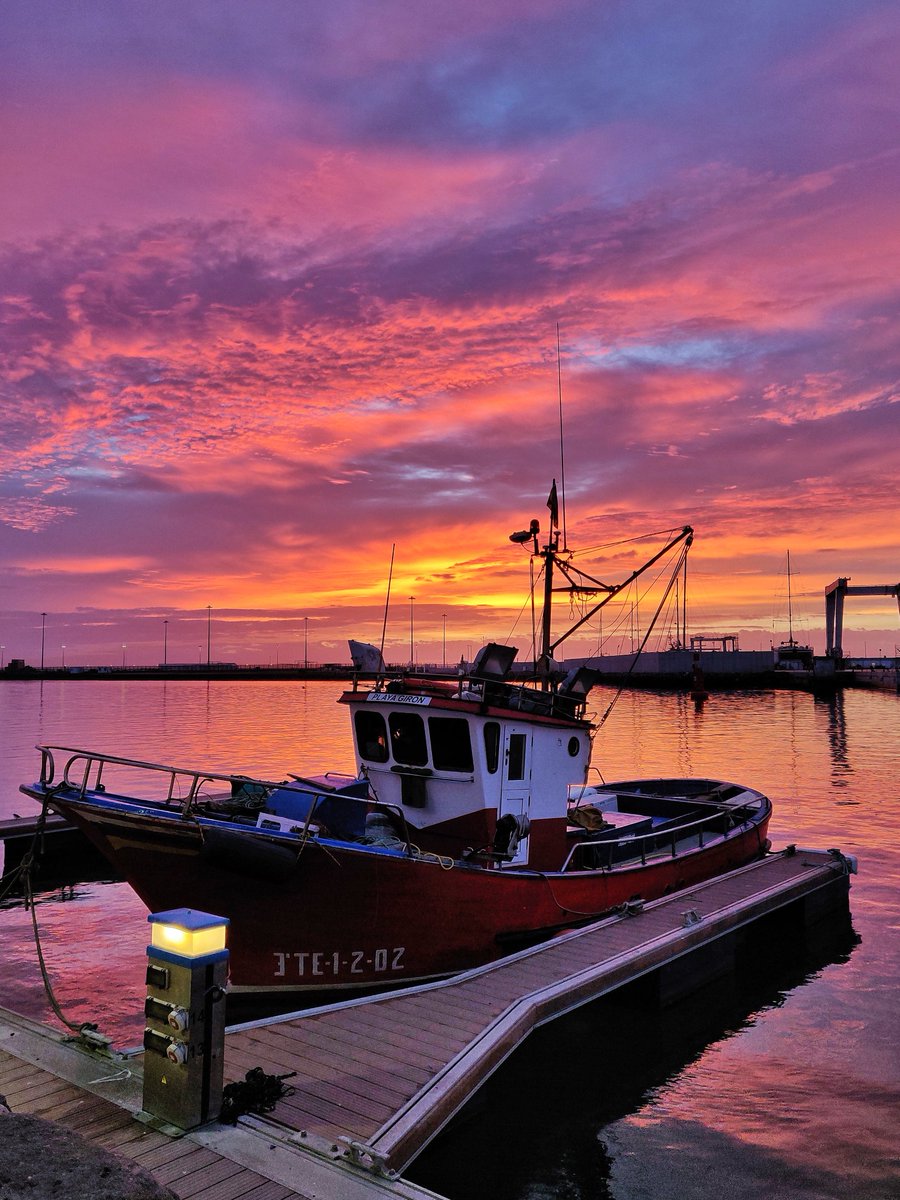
186	933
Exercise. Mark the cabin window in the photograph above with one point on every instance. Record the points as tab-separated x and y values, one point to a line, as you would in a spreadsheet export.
451	747
574	746
371	735
492	746
408	739
515	765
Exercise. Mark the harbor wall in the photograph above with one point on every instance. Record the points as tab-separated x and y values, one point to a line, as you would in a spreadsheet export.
680	663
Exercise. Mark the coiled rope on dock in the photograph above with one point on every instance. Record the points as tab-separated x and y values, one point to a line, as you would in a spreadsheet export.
257	1092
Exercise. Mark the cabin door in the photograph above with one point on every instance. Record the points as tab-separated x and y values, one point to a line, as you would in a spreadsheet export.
515	794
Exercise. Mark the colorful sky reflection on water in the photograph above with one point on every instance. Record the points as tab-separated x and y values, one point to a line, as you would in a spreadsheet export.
791	1083
280	288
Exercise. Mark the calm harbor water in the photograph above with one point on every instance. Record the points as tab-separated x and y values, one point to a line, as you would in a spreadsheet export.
783	1083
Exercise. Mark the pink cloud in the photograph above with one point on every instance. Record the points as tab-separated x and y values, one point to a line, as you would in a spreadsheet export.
253	314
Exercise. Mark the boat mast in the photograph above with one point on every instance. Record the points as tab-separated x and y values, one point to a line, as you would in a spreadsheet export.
387	600
790	607
548	554
551	548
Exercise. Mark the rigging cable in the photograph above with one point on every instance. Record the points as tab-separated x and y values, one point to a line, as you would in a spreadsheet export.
529	597
533	612
641	537
650	628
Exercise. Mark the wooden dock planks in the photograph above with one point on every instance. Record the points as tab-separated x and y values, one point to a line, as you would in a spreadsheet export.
188	1169
43	1074
191	1171
430	1047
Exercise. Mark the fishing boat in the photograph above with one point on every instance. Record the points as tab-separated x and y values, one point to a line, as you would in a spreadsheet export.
475	824
795	664
790	655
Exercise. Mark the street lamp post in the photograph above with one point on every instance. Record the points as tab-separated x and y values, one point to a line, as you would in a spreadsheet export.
412	647
124	648
43	626
306	643
208	631
444	642
165	643
63	658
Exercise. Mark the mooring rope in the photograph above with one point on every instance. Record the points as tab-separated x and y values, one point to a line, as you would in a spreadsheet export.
30	902
11	878
23	873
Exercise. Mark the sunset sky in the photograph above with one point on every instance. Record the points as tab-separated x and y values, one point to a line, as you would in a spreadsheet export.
280	285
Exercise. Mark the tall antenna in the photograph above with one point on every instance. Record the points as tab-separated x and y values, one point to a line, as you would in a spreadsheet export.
562	449
387	600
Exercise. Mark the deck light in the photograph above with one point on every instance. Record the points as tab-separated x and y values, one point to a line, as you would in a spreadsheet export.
187	933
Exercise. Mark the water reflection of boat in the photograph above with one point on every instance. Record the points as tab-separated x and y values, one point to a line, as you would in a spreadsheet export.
469	830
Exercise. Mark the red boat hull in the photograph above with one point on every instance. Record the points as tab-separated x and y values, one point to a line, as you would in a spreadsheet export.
343	917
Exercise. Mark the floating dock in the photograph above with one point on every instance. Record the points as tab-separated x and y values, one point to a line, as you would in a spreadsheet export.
374	1080
65	853
47	1076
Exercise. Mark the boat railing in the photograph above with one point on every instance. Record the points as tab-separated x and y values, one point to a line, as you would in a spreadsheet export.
83	772
593	853
184	783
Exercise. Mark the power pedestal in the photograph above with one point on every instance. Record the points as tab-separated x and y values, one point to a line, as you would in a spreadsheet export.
184	1037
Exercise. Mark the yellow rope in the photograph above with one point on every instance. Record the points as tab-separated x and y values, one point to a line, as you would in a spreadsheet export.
446	863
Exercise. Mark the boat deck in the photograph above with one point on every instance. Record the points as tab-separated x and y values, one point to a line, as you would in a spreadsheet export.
376	1079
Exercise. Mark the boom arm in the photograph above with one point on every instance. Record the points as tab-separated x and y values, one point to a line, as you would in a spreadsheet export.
686	535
